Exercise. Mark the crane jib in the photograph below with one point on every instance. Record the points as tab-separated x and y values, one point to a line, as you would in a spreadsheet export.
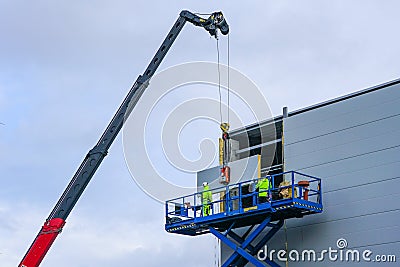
56	220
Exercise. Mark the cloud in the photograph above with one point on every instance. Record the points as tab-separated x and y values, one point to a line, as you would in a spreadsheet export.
15	225
106	241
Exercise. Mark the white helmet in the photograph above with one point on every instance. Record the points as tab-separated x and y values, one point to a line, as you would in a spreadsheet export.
205	184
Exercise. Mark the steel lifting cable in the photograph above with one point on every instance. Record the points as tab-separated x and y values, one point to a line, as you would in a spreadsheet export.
219	82
228	83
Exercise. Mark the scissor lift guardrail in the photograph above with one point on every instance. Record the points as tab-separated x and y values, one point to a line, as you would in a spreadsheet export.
238	205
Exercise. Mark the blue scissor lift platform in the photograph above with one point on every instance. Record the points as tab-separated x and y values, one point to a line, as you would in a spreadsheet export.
237	205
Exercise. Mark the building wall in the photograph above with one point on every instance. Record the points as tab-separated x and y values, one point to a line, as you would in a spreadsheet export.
354	146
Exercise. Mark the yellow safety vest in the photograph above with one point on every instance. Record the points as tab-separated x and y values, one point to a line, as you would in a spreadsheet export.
263	185
206	195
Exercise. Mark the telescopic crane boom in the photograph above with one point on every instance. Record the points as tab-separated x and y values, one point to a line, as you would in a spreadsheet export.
56	220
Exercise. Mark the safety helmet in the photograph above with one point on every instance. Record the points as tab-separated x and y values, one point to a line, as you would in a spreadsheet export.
205	184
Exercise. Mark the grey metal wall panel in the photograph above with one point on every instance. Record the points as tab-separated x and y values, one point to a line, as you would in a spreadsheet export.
364	223
356	134
347	121
349	165
363	102
355	208
342	115
384	172
374	190
338	200
349	150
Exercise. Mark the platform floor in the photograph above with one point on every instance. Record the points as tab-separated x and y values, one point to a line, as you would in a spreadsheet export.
277	209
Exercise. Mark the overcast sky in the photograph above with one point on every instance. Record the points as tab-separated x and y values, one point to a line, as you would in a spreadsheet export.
65	66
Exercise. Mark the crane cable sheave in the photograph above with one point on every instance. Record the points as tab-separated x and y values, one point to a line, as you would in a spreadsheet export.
216	21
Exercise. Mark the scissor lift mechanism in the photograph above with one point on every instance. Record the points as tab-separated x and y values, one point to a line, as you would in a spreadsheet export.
236	209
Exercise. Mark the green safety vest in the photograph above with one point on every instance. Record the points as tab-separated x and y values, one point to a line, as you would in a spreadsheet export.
206	195
263	185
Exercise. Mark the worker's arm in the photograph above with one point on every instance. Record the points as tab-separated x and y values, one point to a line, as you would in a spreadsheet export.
209	196
258	184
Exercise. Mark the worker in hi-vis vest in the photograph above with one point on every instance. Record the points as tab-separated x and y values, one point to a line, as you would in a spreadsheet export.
206	197
263	185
